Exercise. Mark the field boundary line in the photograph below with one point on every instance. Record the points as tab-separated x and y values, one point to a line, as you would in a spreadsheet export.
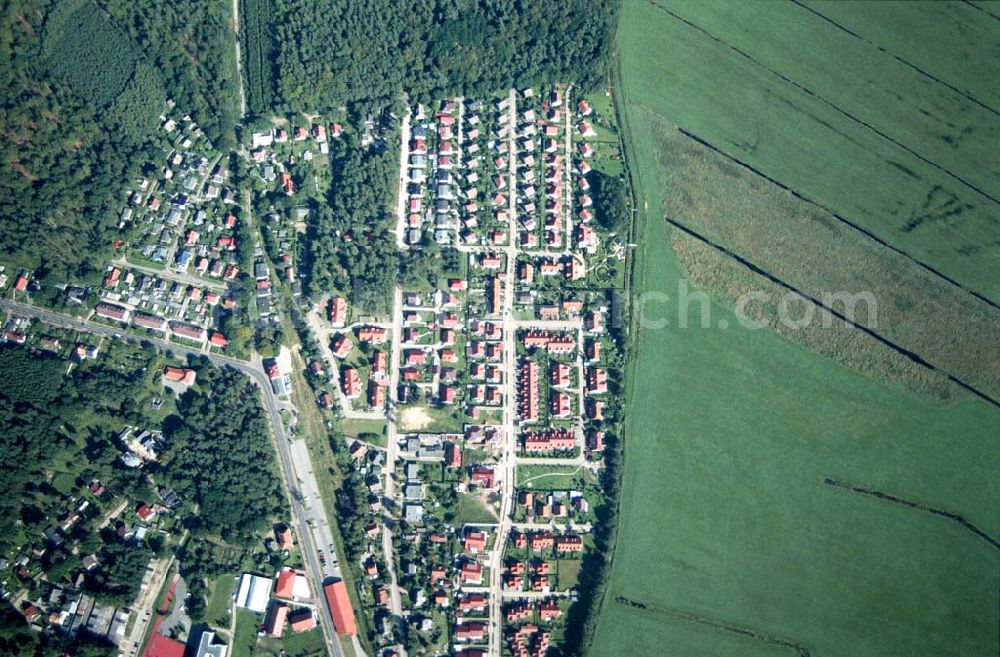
978	7
902	501
912	355
801	649
841	218
596	605
916	68
809	92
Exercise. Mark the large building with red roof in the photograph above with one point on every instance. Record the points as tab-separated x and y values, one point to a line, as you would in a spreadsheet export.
340	608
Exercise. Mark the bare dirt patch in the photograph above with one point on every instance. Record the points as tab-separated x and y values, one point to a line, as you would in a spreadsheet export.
415	419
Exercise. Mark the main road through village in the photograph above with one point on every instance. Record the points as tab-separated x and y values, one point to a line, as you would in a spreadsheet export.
309	513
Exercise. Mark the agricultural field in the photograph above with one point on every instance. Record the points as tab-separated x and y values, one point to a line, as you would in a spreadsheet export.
786	496
828	145
914	309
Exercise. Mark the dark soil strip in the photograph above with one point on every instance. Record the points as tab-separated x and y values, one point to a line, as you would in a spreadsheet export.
799	648
916	358
840	218
885	497
900	59
830	104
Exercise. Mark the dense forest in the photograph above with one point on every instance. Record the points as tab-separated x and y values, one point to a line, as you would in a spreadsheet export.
351	244
30	411
118	579
257	42
192	46
80	95
330	53
70	132
221	457
610	201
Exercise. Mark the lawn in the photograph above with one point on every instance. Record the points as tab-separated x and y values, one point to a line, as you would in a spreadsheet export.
549	477
304	644
567	573
221	601
439	419
245	637
845	144
729	538
355	428
470	509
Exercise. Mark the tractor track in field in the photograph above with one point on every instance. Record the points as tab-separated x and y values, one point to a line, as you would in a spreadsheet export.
911	355
901	60
842	219
978	7
886	497
800	649
812	94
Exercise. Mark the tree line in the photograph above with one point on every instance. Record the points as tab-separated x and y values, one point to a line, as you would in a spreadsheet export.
330	53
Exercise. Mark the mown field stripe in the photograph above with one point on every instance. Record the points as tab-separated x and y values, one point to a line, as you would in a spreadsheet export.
833	213
916	68
722	626
978	7
886	497
913	356
806	90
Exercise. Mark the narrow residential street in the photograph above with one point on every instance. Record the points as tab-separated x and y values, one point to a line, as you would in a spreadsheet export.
506	476
392	449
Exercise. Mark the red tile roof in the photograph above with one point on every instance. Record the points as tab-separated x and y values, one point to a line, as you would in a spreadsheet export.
340	608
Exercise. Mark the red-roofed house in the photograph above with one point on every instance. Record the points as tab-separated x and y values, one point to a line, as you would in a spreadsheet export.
302	621
284	584
179	375
351	383
474	542
337	313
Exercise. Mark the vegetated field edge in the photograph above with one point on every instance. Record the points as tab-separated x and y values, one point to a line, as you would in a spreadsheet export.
725	515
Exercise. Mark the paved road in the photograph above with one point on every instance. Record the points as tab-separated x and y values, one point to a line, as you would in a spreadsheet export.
322	334
567	169
505	470
392	452
404	177
171	275
303	508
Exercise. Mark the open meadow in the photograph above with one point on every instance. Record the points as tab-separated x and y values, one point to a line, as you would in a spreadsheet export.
781	497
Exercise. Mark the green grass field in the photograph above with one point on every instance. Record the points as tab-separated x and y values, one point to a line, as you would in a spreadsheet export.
471	509
304	644
780	233
730	542
548	477
220	603
820	147
245	637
